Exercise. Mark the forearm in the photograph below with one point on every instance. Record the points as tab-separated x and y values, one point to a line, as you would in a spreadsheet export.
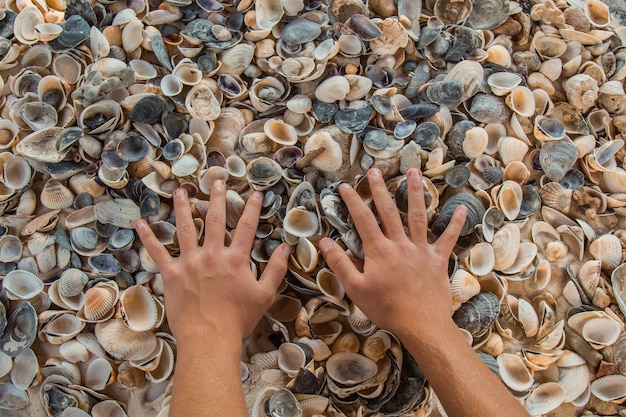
455	371
207	382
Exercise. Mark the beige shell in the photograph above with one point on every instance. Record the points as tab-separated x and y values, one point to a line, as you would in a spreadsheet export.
502	83
280	132
300	222
608	249
346	342
598	13
129	376
306	255
475	143
499	55
138	308
556	196
514	372
544	398
521	101
481	259
610	388
330	157
332	89
511	149
122	343
464	286
505	244
375	346
508	198
359	86
25	370
72	282
548	47
99	374
552	68
100	301
74	352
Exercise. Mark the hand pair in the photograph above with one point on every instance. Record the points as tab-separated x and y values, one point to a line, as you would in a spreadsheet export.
212	285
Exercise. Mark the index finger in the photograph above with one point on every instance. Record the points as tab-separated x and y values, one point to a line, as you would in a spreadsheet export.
364	219
448	238
155	249
247	225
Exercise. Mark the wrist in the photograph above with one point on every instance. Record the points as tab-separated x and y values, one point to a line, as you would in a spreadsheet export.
208	336
434	329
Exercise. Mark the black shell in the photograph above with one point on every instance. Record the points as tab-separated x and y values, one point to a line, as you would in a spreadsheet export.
20	332
148	110
419	110
300	31
426	133
573	180
354	119
487	108
475	213
478	314
488	14
448	93
455	138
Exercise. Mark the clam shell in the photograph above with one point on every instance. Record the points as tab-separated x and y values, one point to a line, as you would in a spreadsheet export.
22	284
514	373
123	343
138	308
349	368
100	303
608	250
545	398
609	388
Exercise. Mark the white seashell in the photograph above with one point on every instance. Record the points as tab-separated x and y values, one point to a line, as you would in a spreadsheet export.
481	259
122	343
508	198
74	352
280	132
331	158
332	89
506	243
502	83
21	284
300	222
511	149
165	366
514	372
25	369
609	388
521	101
99	374
545	398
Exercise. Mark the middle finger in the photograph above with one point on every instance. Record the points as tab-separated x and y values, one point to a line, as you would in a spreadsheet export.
386	208
215	224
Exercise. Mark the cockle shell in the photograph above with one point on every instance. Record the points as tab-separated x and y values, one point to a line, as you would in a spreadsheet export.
514	373
122	343
608	250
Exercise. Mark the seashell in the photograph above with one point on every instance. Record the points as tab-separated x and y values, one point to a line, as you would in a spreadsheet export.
138	308
521	101
10	248
72	282
481	259
99	304
21	284
99	374
502	83
129	376
547	128
557	158
514	373
329	156
582	91
349	368
475	214
123	343
171	85
464	286
488	109
300	222
556	196
609	388
608	250
263	172
73	351
332	89
280	132
447	93
478	314
499	55
545	398
598	13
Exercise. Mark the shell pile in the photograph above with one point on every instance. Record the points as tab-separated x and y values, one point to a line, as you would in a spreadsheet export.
515	110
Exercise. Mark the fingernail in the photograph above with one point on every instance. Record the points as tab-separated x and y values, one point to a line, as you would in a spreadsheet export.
180	192
344	186
219	184
326	245
415	174
462	209
286	250
140	224
374	173
257	195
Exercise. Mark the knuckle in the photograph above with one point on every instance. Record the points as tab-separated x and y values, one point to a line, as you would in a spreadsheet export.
186	229
215	217
389	209
418	217
247	224
363	214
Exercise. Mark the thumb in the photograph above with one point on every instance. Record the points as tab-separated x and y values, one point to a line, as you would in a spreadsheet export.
276	268
341	265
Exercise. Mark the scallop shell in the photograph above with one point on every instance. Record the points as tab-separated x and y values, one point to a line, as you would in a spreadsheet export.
608	250
100	303
122	343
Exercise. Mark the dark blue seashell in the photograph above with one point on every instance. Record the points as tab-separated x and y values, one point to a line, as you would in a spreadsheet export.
81	8
210	5
573	180
20	331
455	139
464	43
457	176
112	159
531	202
105	264
426	134
354	119
419	110
149	203
557	157
148	110
174	124
83	200
6	24
75	31
324	112
475	213
478	314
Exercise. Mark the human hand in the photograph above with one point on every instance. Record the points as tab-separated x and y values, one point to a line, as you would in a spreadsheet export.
404	280
212	286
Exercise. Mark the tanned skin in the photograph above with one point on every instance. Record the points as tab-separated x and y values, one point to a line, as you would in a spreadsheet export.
213	300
